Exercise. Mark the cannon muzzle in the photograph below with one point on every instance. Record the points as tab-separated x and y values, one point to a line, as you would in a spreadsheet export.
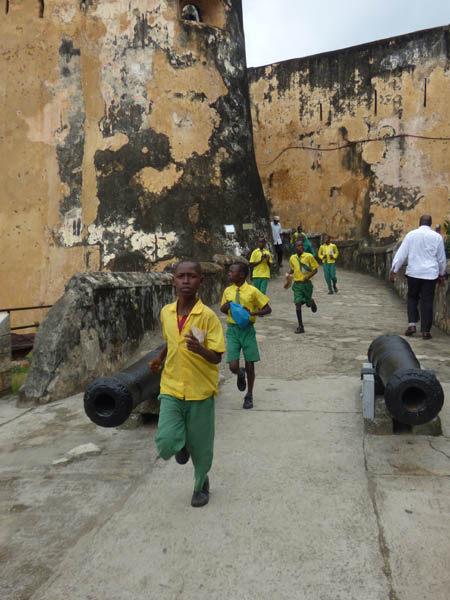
108	401
413	396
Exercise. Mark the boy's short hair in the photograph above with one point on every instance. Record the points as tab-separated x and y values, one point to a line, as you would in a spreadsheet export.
243	267
196	264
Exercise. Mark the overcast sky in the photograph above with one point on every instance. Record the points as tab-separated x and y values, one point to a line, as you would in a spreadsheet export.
277	30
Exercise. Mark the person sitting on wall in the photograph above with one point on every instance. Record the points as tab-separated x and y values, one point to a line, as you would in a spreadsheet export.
306	243
424	250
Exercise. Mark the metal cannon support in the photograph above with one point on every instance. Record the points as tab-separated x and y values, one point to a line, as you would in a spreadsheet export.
109	401
413	396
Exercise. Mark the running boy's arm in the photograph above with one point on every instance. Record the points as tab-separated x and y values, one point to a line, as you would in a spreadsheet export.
225	308
155	364
308	277
262	259
265	310
196	347
322	253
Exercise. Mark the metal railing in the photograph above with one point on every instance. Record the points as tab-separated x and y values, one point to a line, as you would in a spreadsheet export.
10	310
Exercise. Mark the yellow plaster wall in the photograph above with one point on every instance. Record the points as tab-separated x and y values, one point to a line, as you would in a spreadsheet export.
364	190
38	252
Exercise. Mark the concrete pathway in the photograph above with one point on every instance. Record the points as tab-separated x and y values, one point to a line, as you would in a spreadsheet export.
303	503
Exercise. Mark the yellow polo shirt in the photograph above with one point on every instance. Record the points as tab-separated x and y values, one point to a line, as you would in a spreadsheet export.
309	262
262	270
187	375
324	253
249	296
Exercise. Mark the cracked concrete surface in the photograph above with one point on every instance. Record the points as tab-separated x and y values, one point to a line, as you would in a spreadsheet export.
303	503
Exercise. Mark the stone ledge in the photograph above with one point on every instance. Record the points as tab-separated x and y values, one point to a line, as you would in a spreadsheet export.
97	326
5	354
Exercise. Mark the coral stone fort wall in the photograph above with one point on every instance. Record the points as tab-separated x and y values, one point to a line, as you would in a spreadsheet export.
126	139
357	142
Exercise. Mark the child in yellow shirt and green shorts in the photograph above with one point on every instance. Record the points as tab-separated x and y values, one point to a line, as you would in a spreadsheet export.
260	261
189	379
257	304
328	254
303	268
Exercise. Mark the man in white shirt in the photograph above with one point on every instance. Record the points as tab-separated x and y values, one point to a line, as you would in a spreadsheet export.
277	241
424	250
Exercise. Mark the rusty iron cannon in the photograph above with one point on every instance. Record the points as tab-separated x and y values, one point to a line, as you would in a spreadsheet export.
109	401
413	395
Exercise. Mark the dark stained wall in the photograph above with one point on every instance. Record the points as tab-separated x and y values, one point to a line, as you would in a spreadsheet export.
356	142
128	138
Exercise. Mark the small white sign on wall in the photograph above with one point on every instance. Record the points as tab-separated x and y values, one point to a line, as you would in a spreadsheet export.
230	229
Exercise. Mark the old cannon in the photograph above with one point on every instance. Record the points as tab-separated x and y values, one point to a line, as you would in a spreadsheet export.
108	401
413	395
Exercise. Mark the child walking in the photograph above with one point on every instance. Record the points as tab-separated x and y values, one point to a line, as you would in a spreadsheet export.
328	254
257	304
260	260
189	379
303	268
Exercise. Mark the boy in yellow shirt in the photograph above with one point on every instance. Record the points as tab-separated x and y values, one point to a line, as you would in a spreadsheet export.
303	268
189	379
328	254
257	304
260	260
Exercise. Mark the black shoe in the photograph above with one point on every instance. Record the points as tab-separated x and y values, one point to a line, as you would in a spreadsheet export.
182	456
201	498
426	335
313	306
248	401
330	293
335	287
241	383
411	330
300	329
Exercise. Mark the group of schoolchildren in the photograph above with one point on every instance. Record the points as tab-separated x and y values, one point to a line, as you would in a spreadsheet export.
195	344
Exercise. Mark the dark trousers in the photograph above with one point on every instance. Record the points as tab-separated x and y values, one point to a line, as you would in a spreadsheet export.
423	290
279	251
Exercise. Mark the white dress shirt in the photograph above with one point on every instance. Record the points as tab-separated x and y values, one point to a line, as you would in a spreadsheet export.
276	232
424	250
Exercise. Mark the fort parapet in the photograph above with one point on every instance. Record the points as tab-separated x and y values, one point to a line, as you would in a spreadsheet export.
128	140
356	142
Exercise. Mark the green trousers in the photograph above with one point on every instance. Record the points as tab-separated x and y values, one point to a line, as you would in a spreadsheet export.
261	283
191	424
329	271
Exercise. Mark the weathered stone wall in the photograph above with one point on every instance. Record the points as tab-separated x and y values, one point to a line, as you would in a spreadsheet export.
377	260
312	120
98	325
128	140
5	354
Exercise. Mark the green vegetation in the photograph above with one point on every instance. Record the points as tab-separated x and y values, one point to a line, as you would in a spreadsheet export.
18	376
447	238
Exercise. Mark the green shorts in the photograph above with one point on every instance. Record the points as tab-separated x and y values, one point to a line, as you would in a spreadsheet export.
238	338
260	283
302	292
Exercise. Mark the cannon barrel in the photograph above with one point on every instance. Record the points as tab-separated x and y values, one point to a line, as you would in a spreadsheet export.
413	396
108	401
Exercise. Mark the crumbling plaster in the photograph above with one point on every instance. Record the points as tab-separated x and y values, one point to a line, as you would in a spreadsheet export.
374	190
118	119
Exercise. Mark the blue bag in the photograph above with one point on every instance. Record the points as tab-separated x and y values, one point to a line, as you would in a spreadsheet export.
240	315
